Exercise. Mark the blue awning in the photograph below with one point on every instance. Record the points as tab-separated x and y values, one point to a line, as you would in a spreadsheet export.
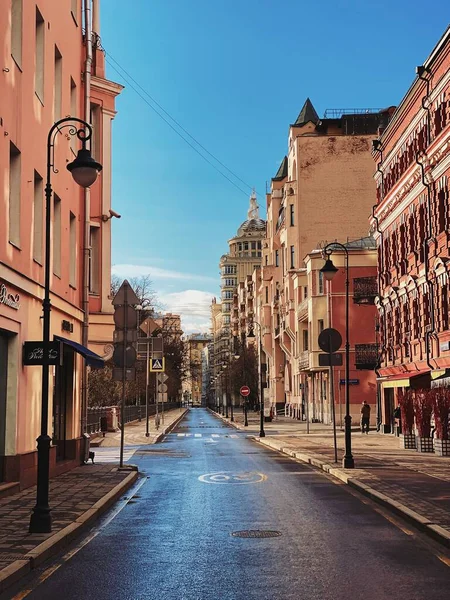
92	359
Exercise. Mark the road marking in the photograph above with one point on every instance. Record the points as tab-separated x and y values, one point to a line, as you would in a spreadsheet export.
181	434
215	435
228	477
112	455
233	435
198	435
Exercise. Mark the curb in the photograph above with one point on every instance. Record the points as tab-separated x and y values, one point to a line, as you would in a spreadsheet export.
224	419
422	523
169	428
17	569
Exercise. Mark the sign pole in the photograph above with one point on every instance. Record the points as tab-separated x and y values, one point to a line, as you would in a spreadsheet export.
147	377
124	374
333	411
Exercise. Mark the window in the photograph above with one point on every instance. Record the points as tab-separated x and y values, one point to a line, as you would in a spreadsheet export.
291	214
305	292
16	31
73	250
277	258
239	246
96	137
292	257
94	260
267	294
38	216
305	340
74	10
320	282
245	245
320	325
56	235
267	260
73	110
14	194
253	245
259	245
57	89
39	56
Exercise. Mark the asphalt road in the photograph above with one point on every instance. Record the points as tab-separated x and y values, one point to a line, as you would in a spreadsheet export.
174	540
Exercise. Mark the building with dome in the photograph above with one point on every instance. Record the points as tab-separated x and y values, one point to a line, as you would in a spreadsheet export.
243	257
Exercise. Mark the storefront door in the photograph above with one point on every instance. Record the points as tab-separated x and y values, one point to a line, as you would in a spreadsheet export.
3	388
63	403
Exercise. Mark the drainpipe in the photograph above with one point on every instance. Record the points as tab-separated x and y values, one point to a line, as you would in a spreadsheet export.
87	213
421	71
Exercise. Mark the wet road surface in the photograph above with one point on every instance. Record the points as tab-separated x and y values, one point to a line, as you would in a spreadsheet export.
173	539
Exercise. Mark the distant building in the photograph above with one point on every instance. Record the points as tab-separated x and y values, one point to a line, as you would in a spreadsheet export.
193	382
411	225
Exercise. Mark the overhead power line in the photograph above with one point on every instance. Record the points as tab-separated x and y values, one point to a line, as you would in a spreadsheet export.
141	92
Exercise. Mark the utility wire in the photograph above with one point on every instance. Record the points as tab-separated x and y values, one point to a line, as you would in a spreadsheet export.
128	78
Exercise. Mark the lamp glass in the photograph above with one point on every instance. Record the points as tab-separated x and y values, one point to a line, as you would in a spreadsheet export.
329	270
84	168
84	176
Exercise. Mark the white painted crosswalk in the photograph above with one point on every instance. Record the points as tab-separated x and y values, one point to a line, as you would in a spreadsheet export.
112	455
207	435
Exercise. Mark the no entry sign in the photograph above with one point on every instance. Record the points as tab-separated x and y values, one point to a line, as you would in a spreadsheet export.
245	391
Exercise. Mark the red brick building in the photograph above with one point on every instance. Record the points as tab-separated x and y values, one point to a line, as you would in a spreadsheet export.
411	224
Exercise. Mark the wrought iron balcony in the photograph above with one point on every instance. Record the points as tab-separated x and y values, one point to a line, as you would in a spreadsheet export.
365	289
303	360
366	356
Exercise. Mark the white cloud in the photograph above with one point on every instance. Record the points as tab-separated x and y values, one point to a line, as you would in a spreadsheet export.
156	273
194	306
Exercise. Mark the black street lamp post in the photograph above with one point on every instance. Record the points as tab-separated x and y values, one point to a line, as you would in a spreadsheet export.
262	433
84	170
329	271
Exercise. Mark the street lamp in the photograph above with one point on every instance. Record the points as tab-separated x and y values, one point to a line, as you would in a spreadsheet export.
329	271
251	335
84	170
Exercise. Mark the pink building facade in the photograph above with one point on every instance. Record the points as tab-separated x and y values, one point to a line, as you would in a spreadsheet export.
48	74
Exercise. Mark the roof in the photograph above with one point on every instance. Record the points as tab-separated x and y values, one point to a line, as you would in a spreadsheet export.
282	170
307	114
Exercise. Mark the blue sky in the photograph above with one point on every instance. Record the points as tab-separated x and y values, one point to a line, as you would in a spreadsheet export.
234	73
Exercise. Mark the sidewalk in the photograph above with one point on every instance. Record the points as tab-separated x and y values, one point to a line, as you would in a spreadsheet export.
135	432
412	484
77	498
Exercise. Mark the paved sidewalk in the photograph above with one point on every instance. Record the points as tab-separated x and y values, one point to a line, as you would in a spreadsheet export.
135	432
77	498
413	484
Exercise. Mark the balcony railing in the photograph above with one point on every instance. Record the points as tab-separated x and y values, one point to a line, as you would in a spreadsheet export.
365	290
366	356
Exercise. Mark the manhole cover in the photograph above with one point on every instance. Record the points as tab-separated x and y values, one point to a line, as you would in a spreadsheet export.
256	533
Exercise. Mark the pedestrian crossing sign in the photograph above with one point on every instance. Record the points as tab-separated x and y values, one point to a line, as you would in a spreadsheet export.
157	365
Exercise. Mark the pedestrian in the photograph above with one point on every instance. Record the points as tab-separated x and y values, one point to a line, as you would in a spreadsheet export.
365	417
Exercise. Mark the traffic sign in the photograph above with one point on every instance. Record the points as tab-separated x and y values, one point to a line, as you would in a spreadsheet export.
125	295
330	340
245	391
130	374
157	365
162	377
118	356
162	388
125	312
330	360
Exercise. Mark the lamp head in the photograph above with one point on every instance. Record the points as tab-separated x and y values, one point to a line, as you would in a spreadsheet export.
84	168
329	270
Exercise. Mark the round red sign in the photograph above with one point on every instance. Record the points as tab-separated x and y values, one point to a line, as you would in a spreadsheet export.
245	390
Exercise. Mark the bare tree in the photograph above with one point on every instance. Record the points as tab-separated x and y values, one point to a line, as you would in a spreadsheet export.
143	288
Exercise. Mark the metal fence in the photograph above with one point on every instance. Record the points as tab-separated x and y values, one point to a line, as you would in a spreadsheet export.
131	413
94	419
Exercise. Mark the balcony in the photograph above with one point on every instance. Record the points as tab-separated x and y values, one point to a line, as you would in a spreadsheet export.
302	310
303	360
366	356
365	290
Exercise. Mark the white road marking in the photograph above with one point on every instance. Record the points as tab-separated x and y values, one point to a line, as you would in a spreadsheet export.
233	435
215	435
112	455
198	434
181	434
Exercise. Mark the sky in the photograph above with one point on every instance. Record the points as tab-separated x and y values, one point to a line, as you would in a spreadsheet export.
233	74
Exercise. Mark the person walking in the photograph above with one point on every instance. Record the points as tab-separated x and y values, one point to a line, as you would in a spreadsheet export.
365	417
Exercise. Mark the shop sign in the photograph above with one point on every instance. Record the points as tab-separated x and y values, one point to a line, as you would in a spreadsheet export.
350	382
11	300
33	353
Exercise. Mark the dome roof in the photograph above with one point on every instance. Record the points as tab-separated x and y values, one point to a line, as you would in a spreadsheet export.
251	225
253	222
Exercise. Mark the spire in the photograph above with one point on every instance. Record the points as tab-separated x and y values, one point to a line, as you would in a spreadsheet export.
282	170
253	211
307	114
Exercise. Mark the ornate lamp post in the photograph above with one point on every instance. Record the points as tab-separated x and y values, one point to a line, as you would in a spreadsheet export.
262	433
329	271
84	170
